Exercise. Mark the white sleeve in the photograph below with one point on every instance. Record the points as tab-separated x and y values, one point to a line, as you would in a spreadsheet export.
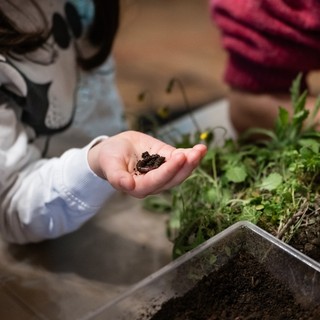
43	198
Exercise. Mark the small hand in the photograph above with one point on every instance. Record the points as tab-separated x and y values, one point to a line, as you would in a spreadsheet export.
254	110
115	159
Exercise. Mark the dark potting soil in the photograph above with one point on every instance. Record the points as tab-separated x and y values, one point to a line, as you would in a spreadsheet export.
149	162
241	289
307	240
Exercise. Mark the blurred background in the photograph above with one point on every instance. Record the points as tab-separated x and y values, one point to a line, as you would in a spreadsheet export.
163	39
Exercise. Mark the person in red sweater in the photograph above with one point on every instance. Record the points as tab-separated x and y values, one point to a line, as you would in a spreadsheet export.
269	42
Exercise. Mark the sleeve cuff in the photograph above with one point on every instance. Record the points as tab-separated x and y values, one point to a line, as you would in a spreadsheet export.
82	183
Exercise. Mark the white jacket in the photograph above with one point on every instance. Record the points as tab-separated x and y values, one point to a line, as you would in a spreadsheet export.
45	93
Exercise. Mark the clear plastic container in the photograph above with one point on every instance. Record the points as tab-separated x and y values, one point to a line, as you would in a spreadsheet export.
297	271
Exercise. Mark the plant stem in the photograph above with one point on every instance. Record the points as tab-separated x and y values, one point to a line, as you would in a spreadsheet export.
185	99
303	209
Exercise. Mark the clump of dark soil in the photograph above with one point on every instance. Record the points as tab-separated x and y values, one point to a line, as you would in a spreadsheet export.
241	289
149	162
307	240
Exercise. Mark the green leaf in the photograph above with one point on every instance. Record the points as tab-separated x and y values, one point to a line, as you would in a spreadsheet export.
249	214
236	174
306	152
310	144
295	89
212	195
283	117
282	122
271	182
260	131
227	251
213	259
299	105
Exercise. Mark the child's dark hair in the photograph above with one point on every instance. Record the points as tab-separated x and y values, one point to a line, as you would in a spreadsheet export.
101	33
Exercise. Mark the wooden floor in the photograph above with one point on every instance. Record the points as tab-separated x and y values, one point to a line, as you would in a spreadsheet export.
164	39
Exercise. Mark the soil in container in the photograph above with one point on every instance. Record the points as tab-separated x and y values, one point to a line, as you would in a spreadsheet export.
240	290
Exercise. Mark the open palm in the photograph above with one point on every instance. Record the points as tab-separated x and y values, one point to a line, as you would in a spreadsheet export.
118	156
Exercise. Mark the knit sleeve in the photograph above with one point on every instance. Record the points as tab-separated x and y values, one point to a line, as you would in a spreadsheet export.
268	41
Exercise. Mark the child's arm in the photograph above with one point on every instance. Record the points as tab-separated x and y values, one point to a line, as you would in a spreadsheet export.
42	199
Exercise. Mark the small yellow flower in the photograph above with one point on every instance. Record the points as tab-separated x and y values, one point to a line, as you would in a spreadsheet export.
204	135
163	112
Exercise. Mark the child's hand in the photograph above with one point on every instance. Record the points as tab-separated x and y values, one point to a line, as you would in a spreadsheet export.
115	159
260	110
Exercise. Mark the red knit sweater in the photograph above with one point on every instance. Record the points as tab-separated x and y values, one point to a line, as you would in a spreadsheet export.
268	41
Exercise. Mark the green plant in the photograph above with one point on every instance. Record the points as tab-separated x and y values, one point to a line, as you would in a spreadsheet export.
273	183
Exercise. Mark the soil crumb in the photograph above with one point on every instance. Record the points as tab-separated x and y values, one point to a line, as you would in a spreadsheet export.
149	162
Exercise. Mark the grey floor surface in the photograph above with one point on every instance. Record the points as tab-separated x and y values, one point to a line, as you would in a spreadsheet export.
72	276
